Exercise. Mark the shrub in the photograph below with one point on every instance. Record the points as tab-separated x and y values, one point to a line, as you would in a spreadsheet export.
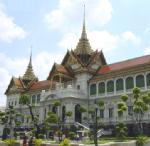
41	136
10	142
141	140
37	142
121	131
72	135
65	142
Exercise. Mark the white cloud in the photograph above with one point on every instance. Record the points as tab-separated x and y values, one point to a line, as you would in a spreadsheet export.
131	37
103	40
99	13
54	19
9	30
4	80
68	41
147	51
43	62
98	40
9	67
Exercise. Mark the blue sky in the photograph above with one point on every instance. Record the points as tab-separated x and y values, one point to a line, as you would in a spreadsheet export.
120	28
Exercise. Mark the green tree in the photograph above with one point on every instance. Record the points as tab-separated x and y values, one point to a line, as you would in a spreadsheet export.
9	119
82	109
53	119
121	131
140	104
68	114
25	100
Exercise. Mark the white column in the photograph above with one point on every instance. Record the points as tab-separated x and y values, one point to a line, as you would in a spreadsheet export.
70	107
134	81
60	80
145	84
96	89
106	88
124	85
115	87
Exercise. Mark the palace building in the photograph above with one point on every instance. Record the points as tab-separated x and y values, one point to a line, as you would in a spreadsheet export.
82	77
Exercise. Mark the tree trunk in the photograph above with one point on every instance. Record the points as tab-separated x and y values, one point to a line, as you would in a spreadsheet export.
33	120
95	129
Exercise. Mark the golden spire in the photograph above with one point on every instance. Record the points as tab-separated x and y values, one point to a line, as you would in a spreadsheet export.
29	74
83	46
84	35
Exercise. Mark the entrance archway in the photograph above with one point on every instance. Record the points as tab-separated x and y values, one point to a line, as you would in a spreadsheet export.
78	114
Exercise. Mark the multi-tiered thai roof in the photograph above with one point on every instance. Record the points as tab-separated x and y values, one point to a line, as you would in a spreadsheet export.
81	59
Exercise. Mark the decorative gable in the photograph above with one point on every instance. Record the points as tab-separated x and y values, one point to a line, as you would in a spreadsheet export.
97	60
71	61
15	85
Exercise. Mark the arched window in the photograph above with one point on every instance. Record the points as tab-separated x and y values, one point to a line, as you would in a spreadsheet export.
140	81
78	87
45	112
63	113
54	109
93	89
119	84
148	79
101	88
38	98
33	99
129	83
110	86
78	114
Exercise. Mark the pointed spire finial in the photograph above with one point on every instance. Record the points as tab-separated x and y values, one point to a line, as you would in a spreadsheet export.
30	61
84	16
84	35
83	46
29	74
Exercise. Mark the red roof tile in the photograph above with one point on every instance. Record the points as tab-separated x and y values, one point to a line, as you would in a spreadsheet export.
124	64
41	85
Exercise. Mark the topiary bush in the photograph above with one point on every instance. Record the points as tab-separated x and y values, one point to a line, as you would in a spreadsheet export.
65	142
72	135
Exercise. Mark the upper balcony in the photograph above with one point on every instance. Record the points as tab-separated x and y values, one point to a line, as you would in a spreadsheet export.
62	91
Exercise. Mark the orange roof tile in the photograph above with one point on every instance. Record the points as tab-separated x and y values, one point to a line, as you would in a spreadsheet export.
62	69
18	83
41	85
124	64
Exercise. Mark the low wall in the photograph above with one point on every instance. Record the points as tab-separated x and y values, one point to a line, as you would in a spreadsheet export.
3	143
147	144
131	143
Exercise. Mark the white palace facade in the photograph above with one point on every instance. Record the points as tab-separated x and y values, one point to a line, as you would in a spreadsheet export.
82	77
